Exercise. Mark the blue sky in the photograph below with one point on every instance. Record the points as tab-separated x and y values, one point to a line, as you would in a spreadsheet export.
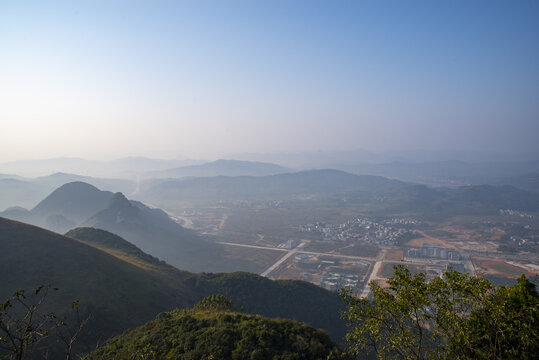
102	79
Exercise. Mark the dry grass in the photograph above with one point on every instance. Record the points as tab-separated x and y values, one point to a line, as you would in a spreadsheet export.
133	260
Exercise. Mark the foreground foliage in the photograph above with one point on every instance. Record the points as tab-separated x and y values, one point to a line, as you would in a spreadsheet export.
212	329
454	317
27	330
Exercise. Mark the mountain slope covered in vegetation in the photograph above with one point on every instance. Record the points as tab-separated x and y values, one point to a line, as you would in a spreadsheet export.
120	293
212	329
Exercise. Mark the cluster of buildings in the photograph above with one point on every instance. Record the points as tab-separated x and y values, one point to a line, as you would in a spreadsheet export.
335	280
364	230
432	252
332	274
289	244
524	242
515	213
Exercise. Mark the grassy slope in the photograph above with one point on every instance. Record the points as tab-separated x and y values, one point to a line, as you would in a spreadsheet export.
119	248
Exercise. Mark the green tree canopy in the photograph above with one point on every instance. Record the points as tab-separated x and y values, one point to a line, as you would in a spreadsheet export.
454	317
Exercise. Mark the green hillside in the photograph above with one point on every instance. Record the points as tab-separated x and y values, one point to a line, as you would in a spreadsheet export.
289	299
213	330
123	288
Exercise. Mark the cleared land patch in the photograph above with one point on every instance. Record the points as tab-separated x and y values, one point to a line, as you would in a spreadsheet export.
499	267
394	254
429	240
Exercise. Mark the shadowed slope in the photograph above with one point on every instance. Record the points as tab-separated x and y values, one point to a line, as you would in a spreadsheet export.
119	294
154	232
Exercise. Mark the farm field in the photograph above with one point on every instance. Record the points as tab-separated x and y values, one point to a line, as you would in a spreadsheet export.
500	268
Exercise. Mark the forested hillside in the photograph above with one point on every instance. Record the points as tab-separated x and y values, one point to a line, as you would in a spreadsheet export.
212	329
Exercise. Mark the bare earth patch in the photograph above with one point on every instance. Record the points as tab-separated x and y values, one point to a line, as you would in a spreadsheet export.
394	254
429	240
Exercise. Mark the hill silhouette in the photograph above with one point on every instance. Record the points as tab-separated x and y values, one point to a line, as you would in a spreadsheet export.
223	167
64	208
75	201
155	233
28	192
152	230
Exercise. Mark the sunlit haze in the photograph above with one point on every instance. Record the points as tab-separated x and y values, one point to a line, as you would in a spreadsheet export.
269	179
203	79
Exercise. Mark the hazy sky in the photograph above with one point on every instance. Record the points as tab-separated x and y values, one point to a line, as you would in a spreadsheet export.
105	79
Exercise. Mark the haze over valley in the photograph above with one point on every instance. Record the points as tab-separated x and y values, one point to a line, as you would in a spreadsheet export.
269	180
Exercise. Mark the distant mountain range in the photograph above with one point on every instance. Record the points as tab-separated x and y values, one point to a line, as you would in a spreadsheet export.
121	287
124	167
437	168
25	192
448	173
383	194
476	200
154	232
223	168
80	204
222	188
335	159
529	182
64	208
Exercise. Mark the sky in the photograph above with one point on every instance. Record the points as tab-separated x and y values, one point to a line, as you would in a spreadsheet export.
202	79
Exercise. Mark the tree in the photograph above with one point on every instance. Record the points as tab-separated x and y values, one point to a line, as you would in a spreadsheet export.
454	317
68	333
21	324
506	326
24	324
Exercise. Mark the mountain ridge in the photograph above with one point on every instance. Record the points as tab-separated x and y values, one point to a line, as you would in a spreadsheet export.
120	295
223	167
151	229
